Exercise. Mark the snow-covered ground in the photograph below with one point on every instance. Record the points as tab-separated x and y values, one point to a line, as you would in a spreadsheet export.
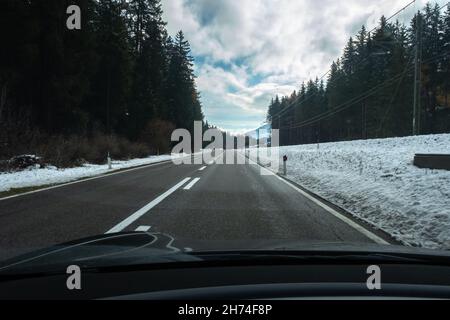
44	176
376	181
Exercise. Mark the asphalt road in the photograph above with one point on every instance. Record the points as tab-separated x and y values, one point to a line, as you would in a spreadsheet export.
226	205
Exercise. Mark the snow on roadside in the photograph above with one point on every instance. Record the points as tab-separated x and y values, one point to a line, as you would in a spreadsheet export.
44	176
377	182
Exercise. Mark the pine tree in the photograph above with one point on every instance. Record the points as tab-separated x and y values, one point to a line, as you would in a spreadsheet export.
181	92
111	83
110	77
430	67
382	61
445	63
147	100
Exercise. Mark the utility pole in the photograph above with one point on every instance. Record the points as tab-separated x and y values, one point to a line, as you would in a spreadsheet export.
108	116
257	138
257	145
364	121
108	96
318	135
279	128
417	76
290	132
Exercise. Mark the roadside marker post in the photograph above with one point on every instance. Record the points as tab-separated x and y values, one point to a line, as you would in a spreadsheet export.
109	162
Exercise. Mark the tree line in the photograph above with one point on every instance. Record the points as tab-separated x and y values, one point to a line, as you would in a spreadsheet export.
368	92
121	79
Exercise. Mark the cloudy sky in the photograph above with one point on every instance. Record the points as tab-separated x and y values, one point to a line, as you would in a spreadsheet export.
247	51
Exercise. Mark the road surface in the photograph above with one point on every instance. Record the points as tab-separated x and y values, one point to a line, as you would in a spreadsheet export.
214	204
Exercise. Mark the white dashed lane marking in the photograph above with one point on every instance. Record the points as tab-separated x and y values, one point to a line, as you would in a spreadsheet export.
143	228
135	216
191	184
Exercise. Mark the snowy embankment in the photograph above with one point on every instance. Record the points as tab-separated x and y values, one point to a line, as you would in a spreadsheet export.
377	182
34	177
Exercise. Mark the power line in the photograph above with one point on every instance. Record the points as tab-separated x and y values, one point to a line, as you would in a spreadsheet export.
361	97
312	120
394	95
345	105
395	14
294	102
285	109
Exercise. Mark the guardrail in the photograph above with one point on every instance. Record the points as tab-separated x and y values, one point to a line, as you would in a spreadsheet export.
432	161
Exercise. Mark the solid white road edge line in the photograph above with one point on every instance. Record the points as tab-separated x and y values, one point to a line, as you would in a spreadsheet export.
104	175
330	210
86	179
125	223
343	218
142	228
191	184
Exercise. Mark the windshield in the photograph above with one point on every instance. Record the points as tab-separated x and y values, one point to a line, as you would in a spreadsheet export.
220	126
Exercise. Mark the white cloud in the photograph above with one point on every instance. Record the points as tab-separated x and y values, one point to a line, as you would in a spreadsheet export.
233	89
280	43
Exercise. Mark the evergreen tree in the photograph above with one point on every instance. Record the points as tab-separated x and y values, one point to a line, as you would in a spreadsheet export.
109	78
147	100
369	90
111	84
445	63
181	91
430	50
